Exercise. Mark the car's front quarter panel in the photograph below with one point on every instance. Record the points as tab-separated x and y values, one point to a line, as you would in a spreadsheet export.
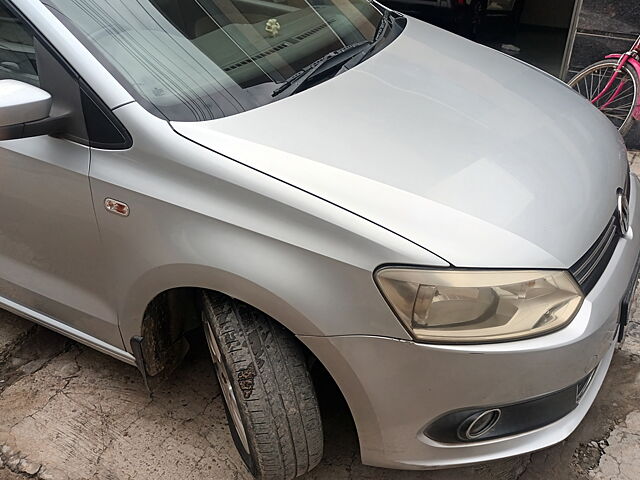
396	388
200	219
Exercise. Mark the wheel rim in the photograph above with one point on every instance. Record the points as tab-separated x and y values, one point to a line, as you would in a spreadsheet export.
225	386
618	102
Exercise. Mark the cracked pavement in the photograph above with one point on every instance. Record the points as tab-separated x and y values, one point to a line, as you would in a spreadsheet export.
68	412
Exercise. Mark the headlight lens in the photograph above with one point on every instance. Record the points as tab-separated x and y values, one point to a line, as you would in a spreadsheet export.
457	306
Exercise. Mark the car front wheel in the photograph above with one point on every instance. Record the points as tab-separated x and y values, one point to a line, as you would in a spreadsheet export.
269	397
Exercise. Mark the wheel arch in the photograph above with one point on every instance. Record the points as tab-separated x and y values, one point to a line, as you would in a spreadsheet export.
167	311
162	305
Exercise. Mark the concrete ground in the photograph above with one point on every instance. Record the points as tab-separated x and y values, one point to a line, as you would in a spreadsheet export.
70	413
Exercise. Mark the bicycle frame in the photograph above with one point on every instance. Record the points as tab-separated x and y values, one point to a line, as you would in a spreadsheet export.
632	57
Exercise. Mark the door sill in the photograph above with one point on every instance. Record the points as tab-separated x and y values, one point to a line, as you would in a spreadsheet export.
66	330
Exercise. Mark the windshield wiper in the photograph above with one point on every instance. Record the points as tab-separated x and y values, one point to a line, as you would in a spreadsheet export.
297	79
385	24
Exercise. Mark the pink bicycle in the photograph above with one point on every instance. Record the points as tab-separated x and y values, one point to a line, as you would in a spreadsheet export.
612	85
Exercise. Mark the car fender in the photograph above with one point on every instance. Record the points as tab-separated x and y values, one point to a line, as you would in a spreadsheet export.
200	219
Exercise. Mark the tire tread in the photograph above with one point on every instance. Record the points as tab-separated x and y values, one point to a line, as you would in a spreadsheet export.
281	414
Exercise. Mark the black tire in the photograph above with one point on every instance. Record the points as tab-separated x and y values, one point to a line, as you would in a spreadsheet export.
623	124
266	369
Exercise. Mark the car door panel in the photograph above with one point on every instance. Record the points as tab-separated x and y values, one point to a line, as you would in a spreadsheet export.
50	245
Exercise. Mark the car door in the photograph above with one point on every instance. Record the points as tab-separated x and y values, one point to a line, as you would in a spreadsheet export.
51	262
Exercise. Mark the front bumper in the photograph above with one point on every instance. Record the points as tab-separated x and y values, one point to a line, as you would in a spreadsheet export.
395	388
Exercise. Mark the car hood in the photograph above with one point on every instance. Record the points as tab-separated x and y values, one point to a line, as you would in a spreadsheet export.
477	157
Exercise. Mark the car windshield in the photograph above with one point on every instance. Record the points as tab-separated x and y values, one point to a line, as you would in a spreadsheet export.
193	60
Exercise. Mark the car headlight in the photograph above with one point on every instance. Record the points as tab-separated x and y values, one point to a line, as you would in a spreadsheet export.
472	306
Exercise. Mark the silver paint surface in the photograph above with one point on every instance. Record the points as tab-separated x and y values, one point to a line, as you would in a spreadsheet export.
433	152
480	159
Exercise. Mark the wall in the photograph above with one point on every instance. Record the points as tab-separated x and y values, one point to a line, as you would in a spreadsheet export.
606	26
548	13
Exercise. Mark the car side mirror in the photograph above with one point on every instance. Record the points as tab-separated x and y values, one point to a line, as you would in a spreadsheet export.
25	111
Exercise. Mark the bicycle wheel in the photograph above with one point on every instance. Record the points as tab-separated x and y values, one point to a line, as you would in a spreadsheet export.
619	100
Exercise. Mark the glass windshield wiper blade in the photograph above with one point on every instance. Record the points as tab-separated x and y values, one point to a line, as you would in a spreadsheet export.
385	23
297	79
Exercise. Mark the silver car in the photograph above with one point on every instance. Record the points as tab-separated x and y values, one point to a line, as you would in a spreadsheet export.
449	232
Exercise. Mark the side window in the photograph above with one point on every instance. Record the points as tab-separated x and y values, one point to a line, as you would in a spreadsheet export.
24	57
17	52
